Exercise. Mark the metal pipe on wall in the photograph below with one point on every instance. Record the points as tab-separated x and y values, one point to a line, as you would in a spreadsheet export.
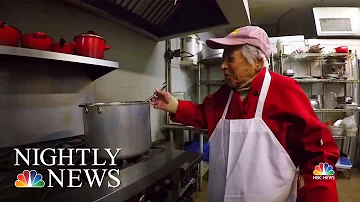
168	72
168	65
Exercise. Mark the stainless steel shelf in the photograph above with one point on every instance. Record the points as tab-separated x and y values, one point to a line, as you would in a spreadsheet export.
182	127
315	56
92	66
220	82
335	110
212	83
339	137
343	169
343	137
326	81
216	61
26	52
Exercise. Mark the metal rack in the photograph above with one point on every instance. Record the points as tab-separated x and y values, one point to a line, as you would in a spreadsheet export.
203	64
311	57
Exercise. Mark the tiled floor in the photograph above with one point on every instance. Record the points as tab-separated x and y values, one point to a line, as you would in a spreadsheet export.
348	190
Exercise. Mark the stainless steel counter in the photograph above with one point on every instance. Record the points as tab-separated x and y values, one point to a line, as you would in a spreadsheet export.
134	179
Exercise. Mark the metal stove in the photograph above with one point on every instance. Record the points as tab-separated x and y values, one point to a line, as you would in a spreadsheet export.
160	175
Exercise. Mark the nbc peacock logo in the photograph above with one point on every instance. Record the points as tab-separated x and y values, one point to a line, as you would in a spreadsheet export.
323	171
29	179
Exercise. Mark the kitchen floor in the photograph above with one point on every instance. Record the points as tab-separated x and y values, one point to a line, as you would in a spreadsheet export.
348	190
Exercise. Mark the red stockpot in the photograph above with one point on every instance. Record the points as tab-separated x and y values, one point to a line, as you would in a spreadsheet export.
91	45
37	40
9	36
61	47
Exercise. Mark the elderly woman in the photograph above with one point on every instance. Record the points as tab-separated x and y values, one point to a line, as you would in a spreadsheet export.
262	129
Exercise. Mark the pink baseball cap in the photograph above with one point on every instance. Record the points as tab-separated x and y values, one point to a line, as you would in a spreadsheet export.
251	35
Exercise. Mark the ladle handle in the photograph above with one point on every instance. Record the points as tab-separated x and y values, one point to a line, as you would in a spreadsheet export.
151	97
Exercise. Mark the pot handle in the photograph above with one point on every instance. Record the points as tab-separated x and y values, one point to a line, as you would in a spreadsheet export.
39	34
107	47
99	110
62	41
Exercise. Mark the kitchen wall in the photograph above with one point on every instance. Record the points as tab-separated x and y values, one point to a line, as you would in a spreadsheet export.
37	115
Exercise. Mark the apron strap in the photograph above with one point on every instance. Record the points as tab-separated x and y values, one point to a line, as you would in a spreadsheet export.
227	104
263	94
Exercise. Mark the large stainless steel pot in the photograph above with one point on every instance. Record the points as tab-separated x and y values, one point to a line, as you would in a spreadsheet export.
207	53
124	125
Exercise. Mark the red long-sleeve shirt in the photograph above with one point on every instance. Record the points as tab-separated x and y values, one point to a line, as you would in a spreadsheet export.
289	115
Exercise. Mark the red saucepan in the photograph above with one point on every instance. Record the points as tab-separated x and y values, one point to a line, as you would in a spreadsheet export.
342	49
9	36
61	47
90	45
37	40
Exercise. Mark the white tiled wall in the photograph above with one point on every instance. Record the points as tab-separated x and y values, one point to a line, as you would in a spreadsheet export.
142	65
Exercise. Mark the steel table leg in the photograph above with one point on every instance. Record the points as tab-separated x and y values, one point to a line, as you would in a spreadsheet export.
172	139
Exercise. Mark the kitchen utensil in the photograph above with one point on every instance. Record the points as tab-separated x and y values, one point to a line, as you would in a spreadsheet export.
289	72
37	40
9	36
116	125
151	97
338	123
336	131
315	49
344	99
90	44
62	47
319	99
314	104
342	49
210	54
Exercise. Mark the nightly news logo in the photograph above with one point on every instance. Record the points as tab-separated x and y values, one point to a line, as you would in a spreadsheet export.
323	171
32	179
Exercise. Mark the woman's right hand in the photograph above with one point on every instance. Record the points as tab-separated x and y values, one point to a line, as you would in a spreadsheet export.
165	101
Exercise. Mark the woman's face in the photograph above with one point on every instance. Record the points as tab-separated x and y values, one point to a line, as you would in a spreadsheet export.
237	69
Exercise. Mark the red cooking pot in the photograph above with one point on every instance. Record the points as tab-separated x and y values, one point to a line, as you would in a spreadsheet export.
342	49
9	36
90	45
61	47
37	40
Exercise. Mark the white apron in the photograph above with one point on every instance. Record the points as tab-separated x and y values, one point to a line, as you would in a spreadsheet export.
247	162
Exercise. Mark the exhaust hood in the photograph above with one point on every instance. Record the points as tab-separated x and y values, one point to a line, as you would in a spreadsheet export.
337	21
166	19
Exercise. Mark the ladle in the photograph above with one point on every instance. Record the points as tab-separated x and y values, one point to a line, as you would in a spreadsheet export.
151	97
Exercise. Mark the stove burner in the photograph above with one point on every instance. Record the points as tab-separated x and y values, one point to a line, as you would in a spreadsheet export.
9	172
